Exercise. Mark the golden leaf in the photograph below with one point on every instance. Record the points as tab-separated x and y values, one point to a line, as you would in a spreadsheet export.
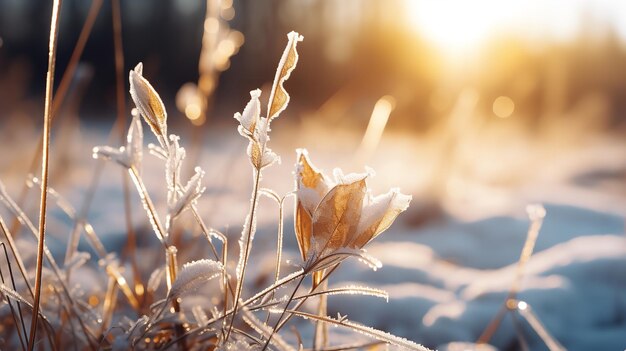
337	216
308	178
317	277
148	102
255	154
279	98
303	229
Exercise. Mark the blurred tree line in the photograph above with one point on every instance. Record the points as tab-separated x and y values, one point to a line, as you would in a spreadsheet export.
354	53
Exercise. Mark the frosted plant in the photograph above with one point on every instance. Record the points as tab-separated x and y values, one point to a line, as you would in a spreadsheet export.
256	129
335	215
334	219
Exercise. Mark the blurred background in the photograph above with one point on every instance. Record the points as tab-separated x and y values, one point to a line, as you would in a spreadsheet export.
476	108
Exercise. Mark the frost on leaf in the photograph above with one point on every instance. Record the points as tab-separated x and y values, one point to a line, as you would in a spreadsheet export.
335	219
279	98
250	115
129	155
256	128
134	142
190	193
193	275
173	164
148	103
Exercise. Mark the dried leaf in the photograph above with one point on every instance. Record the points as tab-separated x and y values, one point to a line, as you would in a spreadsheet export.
254	151
337	216
303	226
279	98
311	186
148	102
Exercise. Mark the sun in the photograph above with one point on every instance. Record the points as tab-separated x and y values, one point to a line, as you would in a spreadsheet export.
456	26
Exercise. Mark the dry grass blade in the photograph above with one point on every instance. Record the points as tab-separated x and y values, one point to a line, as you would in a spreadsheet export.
526	312
368	331
54	29
17	256
536	213
350	290
21	333
279	98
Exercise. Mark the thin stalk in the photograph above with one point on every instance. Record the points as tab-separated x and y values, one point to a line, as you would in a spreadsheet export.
172	271
54	30
225	281
536	215
93	240
12	206
274	329
109	304
279	239
517	325
365	346
540	329
320	338
17	256
301	302
149	206
387	338
15	318
114	273
244	255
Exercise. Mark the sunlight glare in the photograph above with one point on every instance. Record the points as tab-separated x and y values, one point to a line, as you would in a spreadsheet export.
454	26
460	26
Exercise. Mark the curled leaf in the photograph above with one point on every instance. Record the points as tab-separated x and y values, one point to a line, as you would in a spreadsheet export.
148	102
251	113
279	98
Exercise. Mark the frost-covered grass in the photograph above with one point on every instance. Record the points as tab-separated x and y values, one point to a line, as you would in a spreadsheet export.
203	304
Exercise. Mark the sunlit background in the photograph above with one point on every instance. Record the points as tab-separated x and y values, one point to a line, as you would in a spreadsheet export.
476	108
